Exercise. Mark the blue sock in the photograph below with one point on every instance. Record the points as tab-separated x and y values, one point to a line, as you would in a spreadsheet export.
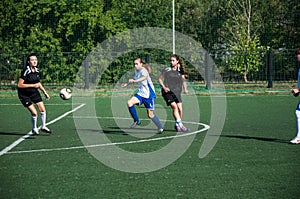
133	113
157	122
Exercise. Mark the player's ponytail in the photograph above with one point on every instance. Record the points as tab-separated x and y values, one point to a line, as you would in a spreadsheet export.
148	68
145	65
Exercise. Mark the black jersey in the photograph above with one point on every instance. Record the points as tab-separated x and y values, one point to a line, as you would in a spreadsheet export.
173	79
29	77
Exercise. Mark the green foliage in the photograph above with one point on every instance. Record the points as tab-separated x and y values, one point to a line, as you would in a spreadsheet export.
48	26
247	60
239	34
52	28
145	13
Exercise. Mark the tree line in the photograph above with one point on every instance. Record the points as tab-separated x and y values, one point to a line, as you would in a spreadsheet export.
226	28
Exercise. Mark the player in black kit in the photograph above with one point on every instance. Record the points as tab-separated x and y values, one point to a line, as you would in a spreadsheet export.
28	85
172	80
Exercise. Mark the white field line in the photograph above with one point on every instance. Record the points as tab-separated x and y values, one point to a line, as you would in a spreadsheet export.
15	143
206	127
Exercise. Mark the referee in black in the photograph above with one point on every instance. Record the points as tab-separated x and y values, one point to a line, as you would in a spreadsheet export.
28	93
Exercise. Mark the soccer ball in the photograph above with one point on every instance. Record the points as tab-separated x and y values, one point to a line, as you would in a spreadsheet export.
65	93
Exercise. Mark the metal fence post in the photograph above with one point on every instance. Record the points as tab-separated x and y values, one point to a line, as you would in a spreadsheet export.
207	71
87	77
270	68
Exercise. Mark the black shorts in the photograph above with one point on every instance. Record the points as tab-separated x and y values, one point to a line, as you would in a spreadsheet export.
27	100
171	97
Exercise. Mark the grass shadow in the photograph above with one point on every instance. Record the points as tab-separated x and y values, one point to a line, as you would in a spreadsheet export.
245	137
12	133
16	134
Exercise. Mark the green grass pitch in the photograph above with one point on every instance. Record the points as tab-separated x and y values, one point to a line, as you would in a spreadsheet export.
252	158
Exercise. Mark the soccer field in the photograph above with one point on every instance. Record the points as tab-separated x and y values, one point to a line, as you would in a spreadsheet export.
251	159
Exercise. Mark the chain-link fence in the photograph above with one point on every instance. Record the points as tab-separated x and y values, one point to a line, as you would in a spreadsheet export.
61	68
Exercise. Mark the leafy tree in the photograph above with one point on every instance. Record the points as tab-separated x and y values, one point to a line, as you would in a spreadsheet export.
47	26
279	23
240	35
145	13
243	28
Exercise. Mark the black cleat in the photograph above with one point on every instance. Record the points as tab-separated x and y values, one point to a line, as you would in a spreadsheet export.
34	132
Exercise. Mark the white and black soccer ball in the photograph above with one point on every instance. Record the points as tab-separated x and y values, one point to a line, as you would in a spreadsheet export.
65	93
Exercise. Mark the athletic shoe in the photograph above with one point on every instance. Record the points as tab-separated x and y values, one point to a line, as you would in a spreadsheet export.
296	140
135	124
35	132
177	128
46	130
184	129
160	131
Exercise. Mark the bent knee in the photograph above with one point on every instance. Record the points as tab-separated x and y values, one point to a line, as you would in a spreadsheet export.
150	114
174	106
129	103
33	113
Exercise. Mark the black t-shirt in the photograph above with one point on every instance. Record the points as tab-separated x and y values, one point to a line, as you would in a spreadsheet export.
173	79
29	77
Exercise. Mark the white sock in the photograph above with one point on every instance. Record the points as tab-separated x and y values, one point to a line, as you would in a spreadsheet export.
179	123
33	121
298	123
43	118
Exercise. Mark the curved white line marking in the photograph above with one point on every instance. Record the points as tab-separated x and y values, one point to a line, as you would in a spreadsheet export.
206	127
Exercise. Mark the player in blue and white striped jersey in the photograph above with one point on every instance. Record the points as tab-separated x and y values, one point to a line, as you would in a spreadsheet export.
145	94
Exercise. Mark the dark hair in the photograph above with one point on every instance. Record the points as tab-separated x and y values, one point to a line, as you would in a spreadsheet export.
181	65
145	65
297	51
28	57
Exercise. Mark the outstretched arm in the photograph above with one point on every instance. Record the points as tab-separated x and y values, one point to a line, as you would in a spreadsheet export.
130	81
137	80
